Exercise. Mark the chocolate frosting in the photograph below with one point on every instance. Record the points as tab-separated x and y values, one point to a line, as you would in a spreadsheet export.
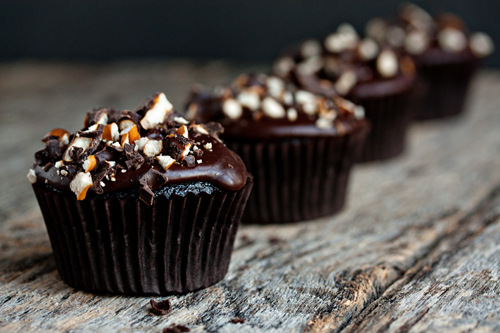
190	152
321	72
431	40
221	167
370	88
436	56
268	129
255	125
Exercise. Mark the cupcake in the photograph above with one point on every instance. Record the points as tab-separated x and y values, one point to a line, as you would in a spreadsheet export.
363	71
300	147
140	202
445	53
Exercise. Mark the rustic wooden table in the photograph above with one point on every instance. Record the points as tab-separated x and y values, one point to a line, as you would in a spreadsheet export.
417	248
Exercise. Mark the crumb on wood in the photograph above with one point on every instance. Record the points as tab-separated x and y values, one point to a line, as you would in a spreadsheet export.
161	308
244	267
237	320
274	240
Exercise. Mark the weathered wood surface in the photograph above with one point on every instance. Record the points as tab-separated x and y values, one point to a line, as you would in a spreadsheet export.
415	250
455	290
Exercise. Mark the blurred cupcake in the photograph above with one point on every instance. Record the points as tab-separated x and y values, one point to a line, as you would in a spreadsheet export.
445	53
300	147
140	202
367	73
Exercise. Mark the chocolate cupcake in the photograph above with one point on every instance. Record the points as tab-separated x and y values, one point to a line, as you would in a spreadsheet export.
445	53
140	202
300	147
372	75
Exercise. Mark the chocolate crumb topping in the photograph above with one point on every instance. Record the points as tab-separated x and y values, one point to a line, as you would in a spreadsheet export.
152	179
119	150
53	149
190	161
75	153
418	33
42	157
344	61
260	106
161	308
102	171
214	129
135	163
48	166
198	153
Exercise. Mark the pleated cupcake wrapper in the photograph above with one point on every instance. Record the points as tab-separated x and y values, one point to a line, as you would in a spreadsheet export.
123	246
441	90
297	179
389	117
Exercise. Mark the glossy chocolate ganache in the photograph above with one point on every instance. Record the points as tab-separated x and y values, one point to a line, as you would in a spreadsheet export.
261	107
145	150
346	64
430	40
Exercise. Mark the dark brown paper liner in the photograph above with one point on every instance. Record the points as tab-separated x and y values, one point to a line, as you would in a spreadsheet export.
297	179
389	117
113	245
441	90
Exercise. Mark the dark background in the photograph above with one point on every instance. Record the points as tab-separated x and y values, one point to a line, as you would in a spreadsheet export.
253	30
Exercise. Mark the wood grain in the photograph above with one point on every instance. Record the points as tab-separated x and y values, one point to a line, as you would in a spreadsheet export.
415	250
455	288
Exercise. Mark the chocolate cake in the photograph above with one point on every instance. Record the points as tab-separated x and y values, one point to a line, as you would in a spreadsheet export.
140	202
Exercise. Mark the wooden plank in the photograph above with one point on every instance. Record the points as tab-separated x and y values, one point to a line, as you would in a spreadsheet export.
320	276
454	289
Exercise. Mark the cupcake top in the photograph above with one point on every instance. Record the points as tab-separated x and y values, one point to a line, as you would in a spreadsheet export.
419	34
257	106
145	149
345	64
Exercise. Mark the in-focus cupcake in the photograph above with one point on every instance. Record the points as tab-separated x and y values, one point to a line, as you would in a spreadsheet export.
364	72
299	147
140	202
445	53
